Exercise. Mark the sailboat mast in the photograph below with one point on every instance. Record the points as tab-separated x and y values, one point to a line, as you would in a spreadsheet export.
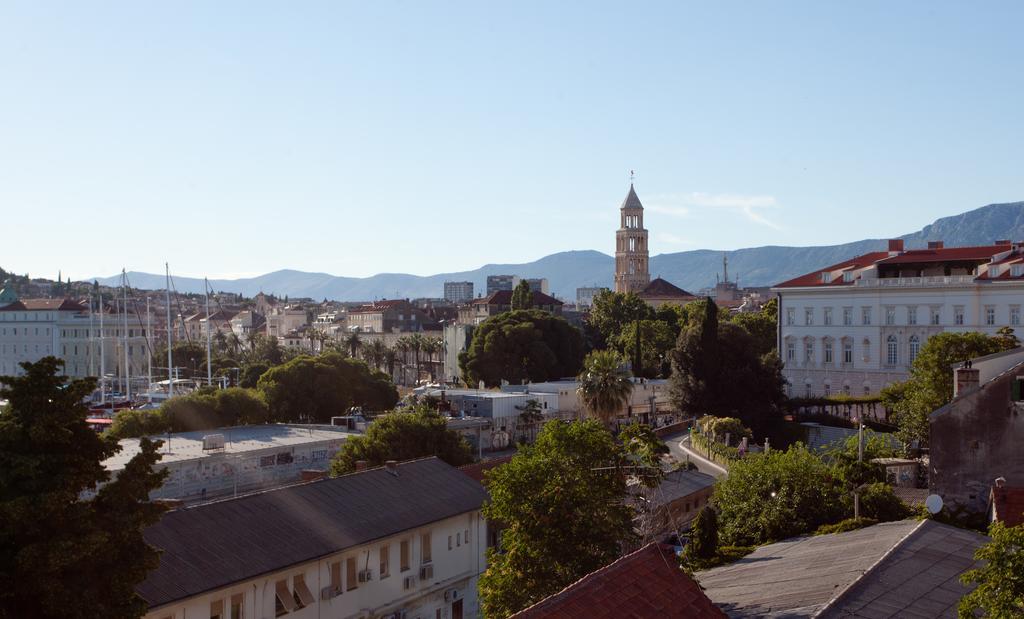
209	366
92	338
103	355
127	342
170	362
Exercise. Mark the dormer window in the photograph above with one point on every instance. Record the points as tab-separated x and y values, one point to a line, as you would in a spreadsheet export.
1017	270
826	277
848	277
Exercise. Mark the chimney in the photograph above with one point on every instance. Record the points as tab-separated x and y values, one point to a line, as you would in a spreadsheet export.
360	465
1000	482
935	244
967	378
312	474
391	466
895	245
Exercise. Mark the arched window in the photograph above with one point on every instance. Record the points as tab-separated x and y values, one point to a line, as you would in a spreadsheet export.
892	356
867	350
915	347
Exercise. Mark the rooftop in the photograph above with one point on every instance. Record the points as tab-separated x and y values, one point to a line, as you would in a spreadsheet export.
646	584
682	483
895	569
237	440
504	297
631	201
660	288
63	305
214	545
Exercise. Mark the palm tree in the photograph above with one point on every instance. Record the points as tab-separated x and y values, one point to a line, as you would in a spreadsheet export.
389	359
353	342
432	346
235	343
402	347
605	385
416	344
377	351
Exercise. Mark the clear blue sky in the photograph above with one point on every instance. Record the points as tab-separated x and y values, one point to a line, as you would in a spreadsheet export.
233	138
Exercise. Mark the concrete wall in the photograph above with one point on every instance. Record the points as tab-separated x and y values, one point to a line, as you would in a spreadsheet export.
975	439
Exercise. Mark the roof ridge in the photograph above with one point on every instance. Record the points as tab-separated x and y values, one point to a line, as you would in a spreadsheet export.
874	566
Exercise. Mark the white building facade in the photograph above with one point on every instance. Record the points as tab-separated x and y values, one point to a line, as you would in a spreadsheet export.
857	326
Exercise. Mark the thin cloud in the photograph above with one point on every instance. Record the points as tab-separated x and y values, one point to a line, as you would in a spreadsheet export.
671	239
750	206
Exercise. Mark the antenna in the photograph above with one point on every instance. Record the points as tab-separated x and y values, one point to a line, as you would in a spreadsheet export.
632	176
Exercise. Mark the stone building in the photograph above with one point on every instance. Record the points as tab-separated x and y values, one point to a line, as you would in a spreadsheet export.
631	251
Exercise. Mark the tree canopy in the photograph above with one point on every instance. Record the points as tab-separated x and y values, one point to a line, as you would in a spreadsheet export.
314	389
647	343
561	502
930	385
204	409
522	296
403	436
522	345
604	385
65	556
1000	580
612	311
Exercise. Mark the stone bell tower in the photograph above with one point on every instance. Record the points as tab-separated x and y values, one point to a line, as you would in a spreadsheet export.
631	256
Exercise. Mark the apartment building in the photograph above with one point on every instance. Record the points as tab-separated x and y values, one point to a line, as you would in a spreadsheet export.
405	541
458	292
497	283
389	316
856	326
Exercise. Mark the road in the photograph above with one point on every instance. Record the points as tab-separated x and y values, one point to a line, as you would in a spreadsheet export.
678	446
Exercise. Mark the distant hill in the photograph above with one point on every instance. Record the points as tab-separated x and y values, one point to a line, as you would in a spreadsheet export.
566	271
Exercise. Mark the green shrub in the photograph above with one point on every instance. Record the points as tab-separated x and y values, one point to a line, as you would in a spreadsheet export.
850	524
879	502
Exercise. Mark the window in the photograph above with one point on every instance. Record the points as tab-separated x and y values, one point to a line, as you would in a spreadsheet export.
936	316
458	539
911	315
847	352
425	549
385	561
790	351
867	389
890	315
217	609
867	350
336	576
350	574
1015	315
958	314
465	536
847	316
915	347
990	315
303	596
827	348
828	390
404	552
790	316
808	352
846	390
284	603
865	315
450	542
236	606
891	350
808	316
828	316
1016	270
826	277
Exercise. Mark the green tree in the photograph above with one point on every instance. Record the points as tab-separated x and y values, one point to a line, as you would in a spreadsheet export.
204	409
612	311
656	339
716	371
522	345
189	357
353	343
768	497
644	449
605	386
879	502
531	414
562	504
63	555
251	374
522	296
403	436
930	385
762	325
1000	579
313	389
703	543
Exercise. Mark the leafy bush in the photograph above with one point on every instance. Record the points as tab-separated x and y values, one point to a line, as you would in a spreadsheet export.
879	502
202	410
703	537
850	524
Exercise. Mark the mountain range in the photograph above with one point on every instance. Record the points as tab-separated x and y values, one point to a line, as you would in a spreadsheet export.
569	270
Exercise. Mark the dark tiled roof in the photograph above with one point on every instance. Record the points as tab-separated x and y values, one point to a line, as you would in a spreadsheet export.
631	201
504	297
646	584
1008	503
661	288
214	545
63	305
682	483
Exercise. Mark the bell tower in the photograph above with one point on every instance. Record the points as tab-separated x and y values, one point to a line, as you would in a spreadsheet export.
631	271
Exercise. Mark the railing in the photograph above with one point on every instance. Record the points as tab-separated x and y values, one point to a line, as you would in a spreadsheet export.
914	282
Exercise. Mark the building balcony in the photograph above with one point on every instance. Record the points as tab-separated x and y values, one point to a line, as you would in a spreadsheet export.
932	281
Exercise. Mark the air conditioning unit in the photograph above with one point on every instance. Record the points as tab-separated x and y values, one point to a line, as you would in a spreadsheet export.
328	593
409	582
427	572
366	576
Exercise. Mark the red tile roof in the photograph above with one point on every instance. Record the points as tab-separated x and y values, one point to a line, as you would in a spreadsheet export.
983	252
1008	504
814	279
62	305
646	584
476	471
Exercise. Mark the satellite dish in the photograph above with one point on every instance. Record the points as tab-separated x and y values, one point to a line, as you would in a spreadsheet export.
933	503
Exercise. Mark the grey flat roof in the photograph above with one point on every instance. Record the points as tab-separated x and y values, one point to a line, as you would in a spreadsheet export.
239	439
682	483
214	545
896	569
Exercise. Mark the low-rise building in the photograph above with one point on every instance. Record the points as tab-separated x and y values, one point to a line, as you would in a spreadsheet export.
224	462
648	395
404	540
389	316
662	292
672	506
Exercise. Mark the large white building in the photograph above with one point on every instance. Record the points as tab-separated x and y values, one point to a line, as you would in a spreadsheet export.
856	326
405	541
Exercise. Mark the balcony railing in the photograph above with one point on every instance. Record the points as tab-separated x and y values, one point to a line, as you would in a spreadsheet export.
914	282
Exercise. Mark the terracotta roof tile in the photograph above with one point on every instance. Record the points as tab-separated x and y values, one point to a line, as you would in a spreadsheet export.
476	471
646	584
62	305
1008	502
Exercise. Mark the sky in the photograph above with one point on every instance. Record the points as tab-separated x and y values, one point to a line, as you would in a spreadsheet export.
238	138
